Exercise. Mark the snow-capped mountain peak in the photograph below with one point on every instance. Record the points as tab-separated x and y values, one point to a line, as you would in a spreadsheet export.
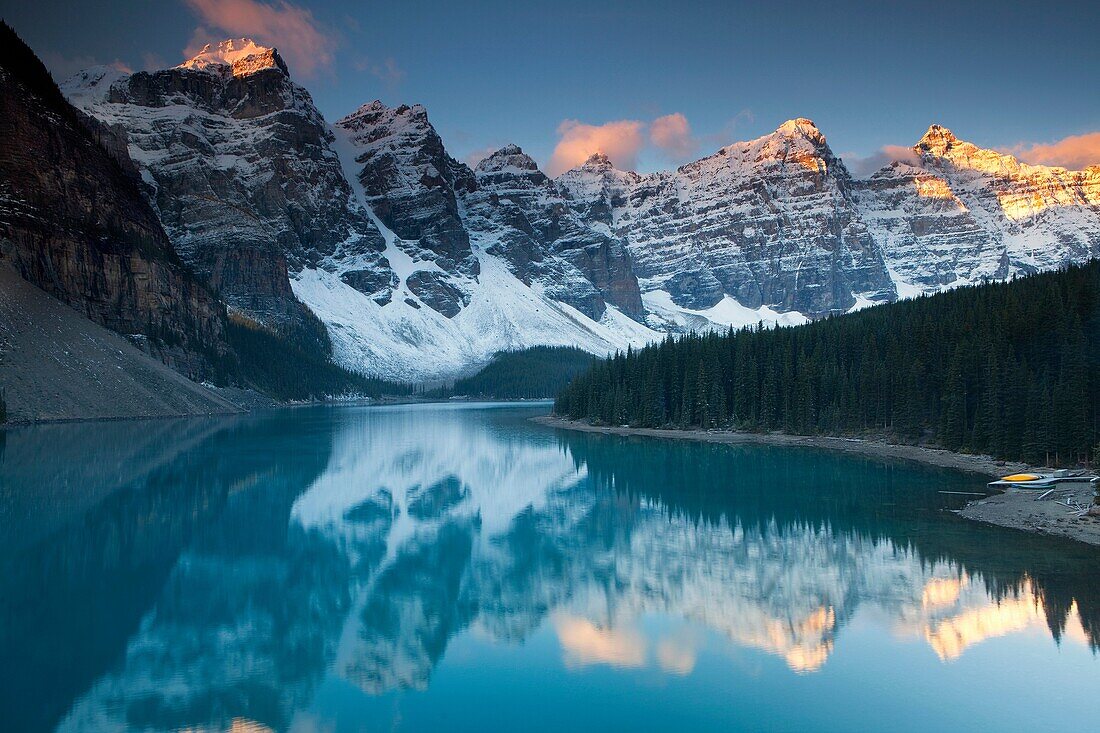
236	57
421	268
940	145
509	158
937	139
956	214
598	160
93	83
800	126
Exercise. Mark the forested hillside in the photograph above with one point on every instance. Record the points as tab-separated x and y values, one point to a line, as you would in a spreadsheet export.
1011	369
286	368
538	372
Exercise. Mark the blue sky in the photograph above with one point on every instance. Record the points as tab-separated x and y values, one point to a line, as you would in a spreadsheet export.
870	74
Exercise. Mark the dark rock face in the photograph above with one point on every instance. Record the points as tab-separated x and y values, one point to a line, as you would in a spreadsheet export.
380	282
769	222
440	210
411	182
414	187
241	169
518	213
695	289
75	224
436	292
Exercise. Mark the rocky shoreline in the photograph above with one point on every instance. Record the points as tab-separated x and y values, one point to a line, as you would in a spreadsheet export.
1022	510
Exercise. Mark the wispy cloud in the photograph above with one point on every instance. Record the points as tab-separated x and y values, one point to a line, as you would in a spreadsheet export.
672	135
476	156
387	71
306	44
729	131
62	66
864	166
153	62
1075	152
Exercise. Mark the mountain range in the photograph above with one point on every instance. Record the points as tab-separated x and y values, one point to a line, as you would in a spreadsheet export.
367	241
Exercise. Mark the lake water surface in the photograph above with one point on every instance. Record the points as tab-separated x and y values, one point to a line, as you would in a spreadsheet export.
457	567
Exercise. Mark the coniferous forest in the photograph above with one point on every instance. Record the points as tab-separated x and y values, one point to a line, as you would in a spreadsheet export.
287	368
541	371
1011	369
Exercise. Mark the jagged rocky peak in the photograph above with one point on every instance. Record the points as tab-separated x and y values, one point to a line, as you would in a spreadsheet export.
236	57
800	126
937	140
767	222
799	141
598	161
240	166
510	157
411	182
968	214
940	145
375	120
519	214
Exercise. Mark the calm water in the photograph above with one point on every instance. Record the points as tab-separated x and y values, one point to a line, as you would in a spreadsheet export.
460	568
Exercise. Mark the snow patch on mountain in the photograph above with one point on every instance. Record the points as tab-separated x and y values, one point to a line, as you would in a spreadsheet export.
404	340
664	315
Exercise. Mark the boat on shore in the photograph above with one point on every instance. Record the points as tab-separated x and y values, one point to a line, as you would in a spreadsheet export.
1034	481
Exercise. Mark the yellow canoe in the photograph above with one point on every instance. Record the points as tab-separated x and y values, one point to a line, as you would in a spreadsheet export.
1020	477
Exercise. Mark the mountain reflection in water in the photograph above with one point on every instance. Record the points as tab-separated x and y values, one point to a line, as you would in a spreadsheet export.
229	573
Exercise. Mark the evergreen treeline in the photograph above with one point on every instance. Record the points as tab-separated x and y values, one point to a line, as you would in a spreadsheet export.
541	371
281	367
1011	369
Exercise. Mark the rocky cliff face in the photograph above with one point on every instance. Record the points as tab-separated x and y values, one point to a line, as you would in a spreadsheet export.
363	221
443	213
421	268
411	182
75	224
519	213
768	222
954	214
241	169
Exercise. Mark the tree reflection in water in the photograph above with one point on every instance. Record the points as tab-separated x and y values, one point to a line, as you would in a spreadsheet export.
223	569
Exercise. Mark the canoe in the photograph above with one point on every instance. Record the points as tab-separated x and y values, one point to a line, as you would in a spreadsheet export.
1041	481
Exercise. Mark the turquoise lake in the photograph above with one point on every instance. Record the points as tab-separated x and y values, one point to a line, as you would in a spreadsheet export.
460	568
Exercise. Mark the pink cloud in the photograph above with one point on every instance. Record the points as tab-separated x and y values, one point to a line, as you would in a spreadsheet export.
300	38
672	134
864	166
620	141
1075	152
